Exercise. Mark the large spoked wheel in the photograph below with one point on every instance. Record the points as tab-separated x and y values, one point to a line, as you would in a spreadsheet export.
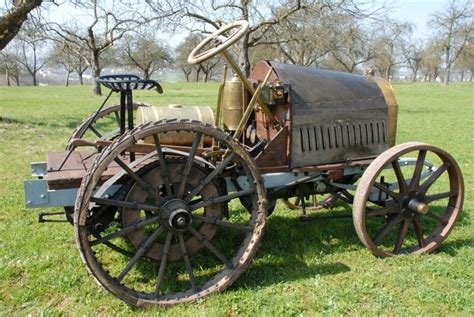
196	56
402	207
106	125
180	236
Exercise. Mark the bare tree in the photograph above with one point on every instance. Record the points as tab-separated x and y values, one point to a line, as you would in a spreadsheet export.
412	53
69	60
465	62
431	60
454	27
28	51
11	67
351	45
206	68
13	18
262	17
107	23
142	51
389	47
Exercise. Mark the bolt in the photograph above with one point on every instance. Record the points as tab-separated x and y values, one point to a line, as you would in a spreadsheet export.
181	221
42	196
418	206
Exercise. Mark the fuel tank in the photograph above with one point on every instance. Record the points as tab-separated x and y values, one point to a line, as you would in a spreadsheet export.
334	116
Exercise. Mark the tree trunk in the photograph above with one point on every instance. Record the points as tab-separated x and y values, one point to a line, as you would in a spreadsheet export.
67	79
7	77
462	76
198	71
448	67
96	89
244	60
81	79
33	75
472	75
413	75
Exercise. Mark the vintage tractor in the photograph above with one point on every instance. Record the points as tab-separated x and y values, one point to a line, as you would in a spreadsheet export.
172	210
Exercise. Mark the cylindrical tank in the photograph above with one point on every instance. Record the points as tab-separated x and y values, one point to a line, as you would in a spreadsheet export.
232	103
176	111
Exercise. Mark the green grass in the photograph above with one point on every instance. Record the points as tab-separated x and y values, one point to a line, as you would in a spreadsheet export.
309	268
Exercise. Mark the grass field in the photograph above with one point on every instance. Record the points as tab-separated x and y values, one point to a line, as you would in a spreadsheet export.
300	269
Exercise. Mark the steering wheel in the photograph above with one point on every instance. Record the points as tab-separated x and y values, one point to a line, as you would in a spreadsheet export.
196	57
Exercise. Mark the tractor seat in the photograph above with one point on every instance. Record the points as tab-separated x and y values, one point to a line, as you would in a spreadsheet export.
127	82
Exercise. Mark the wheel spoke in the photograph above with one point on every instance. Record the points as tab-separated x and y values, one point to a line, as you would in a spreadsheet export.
147	187
419	232
189	164
132	227
187	262
222	223
211	248
415	181
141	251
383	211
164	259
221	199
163	168
387	228
437	218
401	236
125	204
402	183
210	177
387	191
434	197
433	177
96	132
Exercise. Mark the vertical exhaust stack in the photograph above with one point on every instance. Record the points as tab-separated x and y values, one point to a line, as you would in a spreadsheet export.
232	102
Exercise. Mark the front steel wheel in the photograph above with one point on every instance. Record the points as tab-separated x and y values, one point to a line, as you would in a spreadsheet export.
408	200
181	236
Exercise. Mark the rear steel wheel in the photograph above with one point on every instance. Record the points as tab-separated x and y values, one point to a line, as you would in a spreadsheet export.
180	238
402	208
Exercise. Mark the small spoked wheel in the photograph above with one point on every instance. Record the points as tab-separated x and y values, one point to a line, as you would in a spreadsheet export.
106	125
179	236
198	55
408	200
326	202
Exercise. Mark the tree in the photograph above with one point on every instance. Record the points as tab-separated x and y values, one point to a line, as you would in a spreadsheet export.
465	61
11	67
350	44
454	28
388	47
69	60
142	51
412	53
13	18
105	23
431	60
182	52
262	17
28	51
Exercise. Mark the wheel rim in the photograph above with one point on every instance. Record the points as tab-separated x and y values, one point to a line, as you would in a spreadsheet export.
106	125
416	214
171	279
197	57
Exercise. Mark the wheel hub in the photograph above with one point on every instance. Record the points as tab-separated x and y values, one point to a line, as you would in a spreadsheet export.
175	215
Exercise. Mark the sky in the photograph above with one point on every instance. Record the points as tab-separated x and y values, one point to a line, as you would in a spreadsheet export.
418	12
